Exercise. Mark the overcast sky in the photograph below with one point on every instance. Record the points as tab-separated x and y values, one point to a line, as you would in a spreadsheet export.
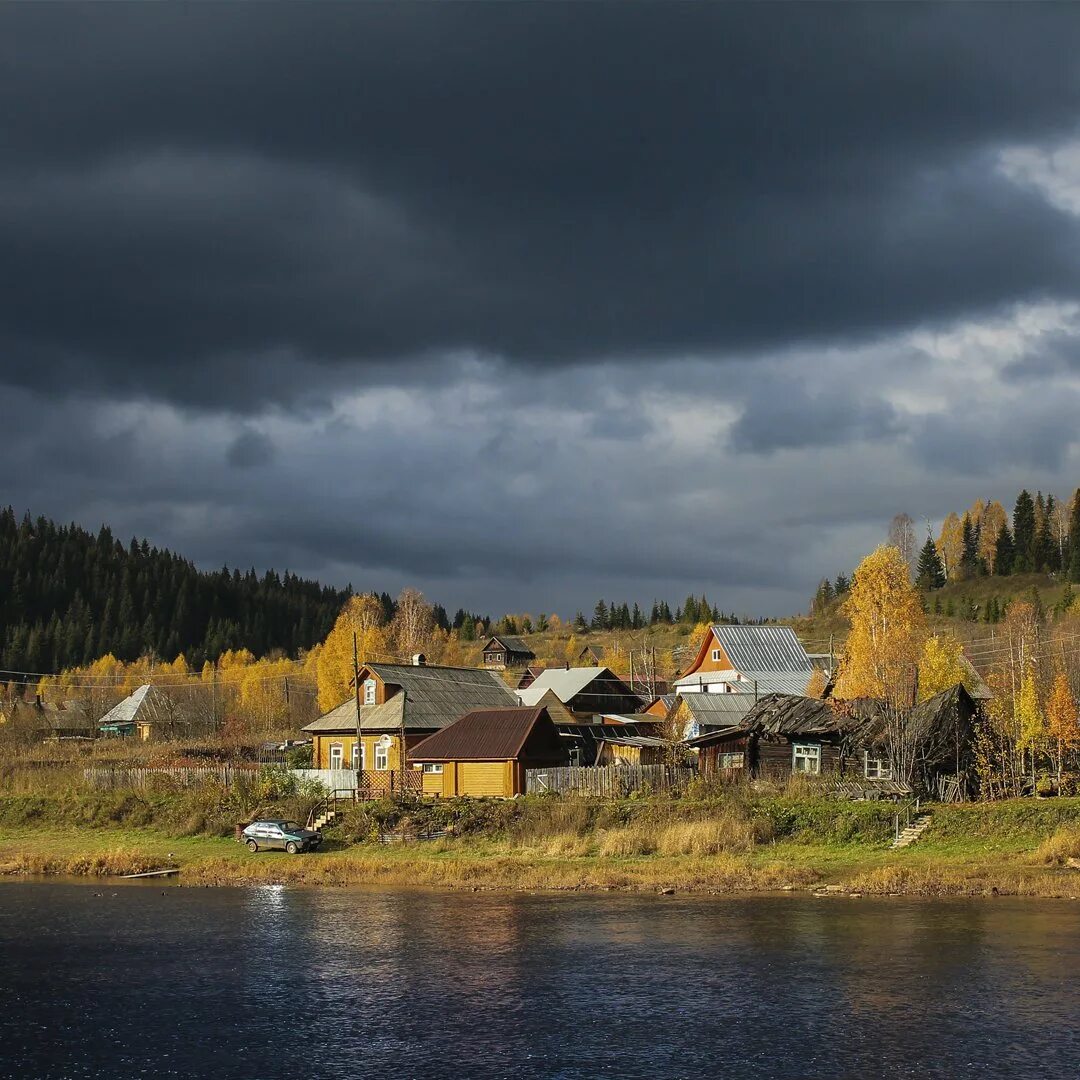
528	305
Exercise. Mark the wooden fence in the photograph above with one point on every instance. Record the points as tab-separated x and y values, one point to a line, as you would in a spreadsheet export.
609	781
111	779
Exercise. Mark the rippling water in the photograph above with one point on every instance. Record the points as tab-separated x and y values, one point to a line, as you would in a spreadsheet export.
129	981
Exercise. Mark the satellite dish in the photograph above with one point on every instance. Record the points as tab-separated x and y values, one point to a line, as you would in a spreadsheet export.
385	740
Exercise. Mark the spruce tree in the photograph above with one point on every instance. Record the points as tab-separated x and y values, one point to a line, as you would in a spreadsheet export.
1023	534
930	574
1004	552
969	551
1073	547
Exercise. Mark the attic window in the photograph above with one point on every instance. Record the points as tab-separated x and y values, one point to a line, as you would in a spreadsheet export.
716	656
806	758
369	691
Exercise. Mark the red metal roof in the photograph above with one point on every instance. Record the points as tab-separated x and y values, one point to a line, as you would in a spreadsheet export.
483	735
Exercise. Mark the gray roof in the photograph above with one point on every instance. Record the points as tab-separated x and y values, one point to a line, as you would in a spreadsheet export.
511	643
126	711
762	648
432	698
565	683
768	682
718	709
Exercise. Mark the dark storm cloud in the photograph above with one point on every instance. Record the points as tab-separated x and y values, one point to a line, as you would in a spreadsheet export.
213	204
516	302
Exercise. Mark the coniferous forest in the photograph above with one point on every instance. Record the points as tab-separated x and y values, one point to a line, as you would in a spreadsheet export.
68	596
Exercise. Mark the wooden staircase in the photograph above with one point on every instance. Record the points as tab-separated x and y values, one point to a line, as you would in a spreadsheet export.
325	818
326	811
912	831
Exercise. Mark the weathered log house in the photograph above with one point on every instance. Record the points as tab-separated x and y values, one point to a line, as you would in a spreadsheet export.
504	651
785	735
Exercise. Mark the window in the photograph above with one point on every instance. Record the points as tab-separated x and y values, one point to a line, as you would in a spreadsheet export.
337	754
358	756
730	761
429	767
806	758
876	768
382	758
369	691
716	656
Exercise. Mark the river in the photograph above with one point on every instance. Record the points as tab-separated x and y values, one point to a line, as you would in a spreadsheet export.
148	981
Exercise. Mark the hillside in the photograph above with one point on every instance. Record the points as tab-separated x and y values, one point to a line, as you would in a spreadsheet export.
68	596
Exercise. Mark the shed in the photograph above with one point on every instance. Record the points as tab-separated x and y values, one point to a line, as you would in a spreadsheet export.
487	751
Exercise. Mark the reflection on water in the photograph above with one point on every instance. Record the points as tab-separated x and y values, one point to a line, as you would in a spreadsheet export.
125	982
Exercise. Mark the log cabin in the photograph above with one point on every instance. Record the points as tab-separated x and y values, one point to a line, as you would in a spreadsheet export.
786	735
585	691
503	651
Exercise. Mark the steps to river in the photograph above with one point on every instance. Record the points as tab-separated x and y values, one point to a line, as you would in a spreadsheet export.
908	835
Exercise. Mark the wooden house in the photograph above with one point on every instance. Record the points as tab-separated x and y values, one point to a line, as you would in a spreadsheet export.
699	714
590	656
44	721
585	691
504	651
748	659
486	752
529	675
151	712
784	735
400	705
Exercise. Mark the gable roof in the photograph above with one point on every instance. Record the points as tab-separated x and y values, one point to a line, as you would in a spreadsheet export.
140	705
762	648
511	643
482	735
718	709
565	683
432	698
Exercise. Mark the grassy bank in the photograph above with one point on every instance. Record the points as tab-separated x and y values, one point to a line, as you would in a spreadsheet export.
718	844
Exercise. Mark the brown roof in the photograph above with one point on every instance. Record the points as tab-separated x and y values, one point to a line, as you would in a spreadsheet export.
482	735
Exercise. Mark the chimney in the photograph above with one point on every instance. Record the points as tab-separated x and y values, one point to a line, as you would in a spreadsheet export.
567	665
419	659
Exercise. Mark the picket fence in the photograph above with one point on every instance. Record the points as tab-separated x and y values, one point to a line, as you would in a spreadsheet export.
608	781
115	778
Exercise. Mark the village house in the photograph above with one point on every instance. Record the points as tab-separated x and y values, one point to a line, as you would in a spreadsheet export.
529	675
487	752
585	691
784	735
42	721
151	712
399	702
699	714
590	656
504	651
755	660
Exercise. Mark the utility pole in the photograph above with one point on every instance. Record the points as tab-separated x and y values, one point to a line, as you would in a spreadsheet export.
358	753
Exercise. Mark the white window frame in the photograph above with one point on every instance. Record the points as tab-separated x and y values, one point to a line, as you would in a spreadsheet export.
357	756
810	753
882	767
733	759
382	753
716	656
433	768
340	755
369	691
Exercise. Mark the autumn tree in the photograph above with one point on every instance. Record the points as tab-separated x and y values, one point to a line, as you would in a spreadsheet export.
364	617
941	665
1062	723
902	537
410	629
817	684
993	520
1030	719
950	544
887	629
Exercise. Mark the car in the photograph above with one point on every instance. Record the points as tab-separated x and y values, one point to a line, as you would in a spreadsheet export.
290	836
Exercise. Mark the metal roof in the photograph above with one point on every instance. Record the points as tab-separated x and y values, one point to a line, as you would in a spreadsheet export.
565	683
429	698
762	648
768	682
718	708
511	643
488	735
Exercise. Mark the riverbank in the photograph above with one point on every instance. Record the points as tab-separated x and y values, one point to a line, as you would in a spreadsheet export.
1020	848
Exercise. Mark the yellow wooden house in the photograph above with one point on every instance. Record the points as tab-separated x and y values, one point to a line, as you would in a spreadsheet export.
487	753
398	702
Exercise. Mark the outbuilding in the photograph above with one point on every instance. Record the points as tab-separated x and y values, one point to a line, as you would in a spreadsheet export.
487	752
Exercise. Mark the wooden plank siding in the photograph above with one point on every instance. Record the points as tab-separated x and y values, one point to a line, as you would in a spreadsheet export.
613	781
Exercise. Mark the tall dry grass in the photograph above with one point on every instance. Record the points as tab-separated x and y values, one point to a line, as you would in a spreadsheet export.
1059	848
